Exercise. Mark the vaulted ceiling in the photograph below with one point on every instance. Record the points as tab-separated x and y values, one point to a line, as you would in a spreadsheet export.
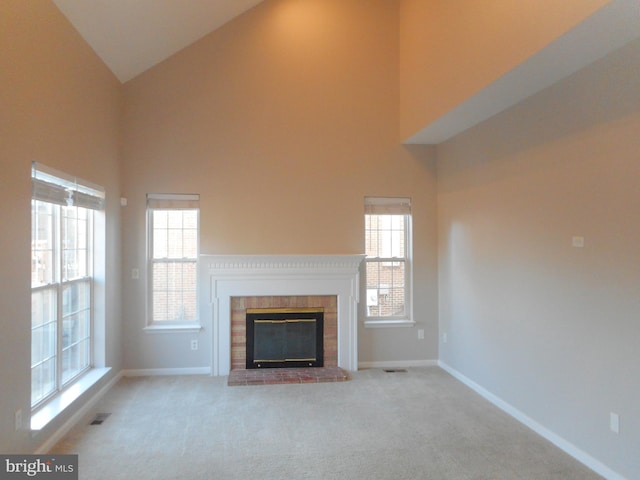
133	35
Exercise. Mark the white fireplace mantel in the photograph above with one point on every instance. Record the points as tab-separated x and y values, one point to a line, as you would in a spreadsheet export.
227	276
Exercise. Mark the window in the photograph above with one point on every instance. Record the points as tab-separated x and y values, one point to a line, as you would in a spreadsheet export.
62	264
173	257
388	260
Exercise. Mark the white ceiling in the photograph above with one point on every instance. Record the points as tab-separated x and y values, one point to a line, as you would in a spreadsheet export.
133	35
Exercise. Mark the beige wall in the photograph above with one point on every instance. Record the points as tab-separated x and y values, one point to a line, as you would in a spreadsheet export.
59	105
550	329
282	121
450	50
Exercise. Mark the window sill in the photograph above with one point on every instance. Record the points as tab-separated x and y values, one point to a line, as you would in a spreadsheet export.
54	407
183	328
388	323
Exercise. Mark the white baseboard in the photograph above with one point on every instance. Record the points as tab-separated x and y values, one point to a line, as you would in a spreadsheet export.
151	372
76	417
541	430
397	364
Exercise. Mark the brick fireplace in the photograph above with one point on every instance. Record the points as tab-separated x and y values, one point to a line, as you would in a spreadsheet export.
236	282
239	306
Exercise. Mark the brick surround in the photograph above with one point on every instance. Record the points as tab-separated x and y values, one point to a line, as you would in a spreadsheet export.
239	306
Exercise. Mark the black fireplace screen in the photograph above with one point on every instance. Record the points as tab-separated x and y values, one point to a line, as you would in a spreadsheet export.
278	337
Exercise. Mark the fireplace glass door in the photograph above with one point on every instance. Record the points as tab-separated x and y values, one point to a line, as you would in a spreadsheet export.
284	338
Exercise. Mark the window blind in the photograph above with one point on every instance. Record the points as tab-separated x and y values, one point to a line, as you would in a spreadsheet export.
50	185
387	206
173	201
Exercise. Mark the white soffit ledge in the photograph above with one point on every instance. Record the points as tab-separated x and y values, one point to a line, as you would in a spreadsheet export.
608	29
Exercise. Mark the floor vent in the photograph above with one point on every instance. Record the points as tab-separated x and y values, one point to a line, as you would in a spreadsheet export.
99	418
395	370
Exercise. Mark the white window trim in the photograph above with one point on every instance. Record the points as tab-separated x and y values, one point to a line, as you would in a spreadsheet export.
90	195
159	201
405	320
186	327
58	403
386	323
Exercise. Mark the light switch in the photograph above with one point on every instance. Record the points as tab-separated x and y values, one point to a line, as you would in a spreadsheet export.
135	273
614	422
577	242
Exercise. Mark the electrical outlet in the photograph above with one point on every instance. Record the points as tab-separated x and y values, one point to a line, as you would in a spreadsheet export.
614	422
421	334
18	419
577	242
194	344
135	273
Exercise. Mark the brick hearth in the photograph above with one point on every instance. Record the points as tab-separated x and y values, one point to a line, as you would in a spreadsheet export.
272	376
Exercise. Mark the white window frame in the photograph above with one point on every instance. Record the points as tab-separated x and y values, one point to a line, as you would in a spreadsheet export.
170	201
57	190
391	206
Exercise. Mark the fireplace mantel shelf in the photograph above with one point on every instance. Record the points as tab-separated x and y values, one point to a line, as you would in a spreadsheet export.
227	276
259	263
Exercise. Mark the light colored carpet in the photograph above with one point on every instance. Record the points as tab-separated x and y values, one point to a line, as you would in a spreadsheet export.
422	424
